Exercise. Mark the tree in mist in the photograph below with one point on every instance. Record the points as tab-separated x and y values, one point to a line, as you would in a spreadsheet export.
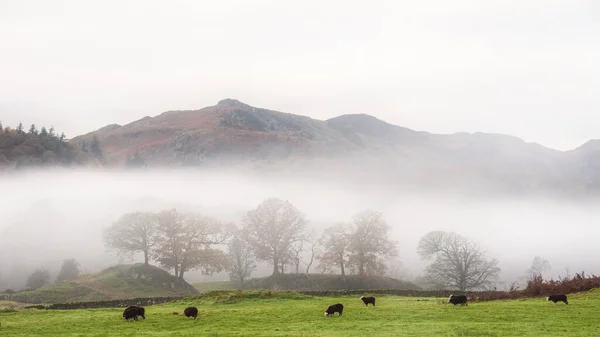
133	232
272	228
44	132
20	128
186	241
335	241
38	279
312	243
538	267
459	263
241	259
33	130
68	271
369	246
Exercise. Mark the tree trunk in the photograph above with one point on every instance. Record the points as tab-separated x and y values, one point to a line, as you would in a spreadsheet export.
342	265
275	266
146	257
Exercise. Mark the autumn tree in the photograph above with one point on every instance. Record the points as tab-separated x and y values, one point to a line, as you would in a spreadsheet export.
133	232
459	263
38	279
272	228
538	267
335	241
186	241
241	259
369	246
68	271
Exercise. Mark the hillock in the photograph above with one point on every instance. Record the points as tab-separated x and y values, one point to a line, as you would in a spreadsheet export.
118	282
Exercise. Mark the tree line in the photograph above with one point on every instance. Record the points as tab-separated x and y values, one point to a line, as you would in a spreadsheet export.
276	232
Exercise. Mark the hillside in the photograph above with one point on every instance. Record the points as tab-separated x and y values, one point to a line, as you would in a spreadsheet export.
118	282
20	149
355	147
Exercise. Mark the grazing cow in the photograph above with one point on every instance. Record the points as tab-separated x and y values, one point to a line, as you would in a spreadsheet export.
557	298
133	312
367	300
191	312
458	299
333	309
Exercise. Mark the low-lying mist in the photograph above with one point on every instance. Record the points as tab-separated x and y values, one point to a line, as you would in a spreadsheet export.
51	215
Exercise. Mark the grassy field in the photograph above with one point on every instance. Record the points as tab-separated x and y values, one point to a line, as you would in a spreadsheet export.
290	314
203	287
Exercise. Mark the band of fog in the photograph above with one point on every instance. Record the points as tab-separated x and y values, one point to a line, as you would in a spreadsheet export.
61	214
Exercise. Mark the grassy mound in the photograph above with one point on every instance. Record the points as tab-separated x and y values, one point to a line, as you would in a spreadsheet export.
123	281
312	282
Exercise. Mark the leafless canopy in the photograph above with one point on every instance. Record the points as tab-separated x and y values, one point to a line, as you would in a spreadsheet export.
538	267
187	240
241	259
335	241
458	262
133	232
369	244
272	228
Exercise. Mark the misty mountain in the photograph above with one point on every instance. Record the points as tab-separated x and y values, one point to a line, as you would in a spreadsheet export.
354	147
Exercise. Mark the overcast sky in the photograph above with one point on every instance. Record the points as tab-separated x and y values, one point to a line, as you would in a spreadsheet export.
527	68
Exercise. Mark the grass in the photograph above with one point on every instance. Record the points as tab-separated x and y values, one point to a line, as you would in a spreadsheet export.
290	314
203	287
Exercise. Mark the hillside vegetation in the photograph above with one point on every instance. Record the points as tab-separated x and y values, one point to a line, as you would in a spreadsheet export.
289	314
33	148
118	282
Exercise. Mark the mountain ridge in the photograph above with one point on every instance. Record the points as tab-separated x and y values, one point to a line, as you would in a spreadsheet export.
233	133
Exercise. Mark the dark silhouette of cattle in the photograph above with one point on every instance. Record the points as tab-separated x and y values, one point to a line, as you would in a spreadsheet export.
133	312
367	300
458	299
557	298
339	308
191	312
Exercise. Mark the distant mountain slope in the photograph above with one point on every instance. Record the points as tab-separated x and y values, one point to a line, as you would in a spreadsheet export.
355	147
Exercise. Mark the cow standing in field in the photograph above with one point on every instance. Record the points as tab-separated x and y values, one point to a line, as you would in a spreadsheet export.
191	312
458	299
367	300
557	298
133	312
339	308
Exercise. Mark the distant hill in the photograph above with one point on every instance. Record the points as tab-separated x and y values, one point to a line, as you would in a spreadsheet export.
354	147
311	282
118	282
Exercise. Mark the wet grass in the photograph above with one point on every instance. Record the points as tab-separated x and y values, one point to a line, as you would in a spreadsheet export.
289	314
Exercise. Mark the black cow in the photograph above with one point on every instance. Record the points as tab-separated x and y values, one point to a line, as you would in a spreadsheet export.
133	312
191	312
557	298
333	309
458	299
367	300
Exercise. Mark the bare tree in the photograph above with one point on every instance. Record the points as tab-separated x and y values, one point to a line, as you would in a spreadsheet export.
313	243
133	232
241	260
369	245
538	267
459	263
272	228
335	241
295	254
186	240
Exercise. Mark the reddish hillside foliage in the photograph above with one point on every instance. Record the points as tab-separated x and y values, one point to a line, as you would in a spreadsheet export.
538	287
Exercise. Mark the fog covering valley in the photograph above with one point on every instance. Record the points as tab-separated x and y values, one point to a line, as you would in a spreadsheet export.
52	215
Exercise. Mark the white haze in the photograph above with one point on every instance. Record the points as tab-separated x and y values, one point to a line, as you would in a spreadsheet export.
48	216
